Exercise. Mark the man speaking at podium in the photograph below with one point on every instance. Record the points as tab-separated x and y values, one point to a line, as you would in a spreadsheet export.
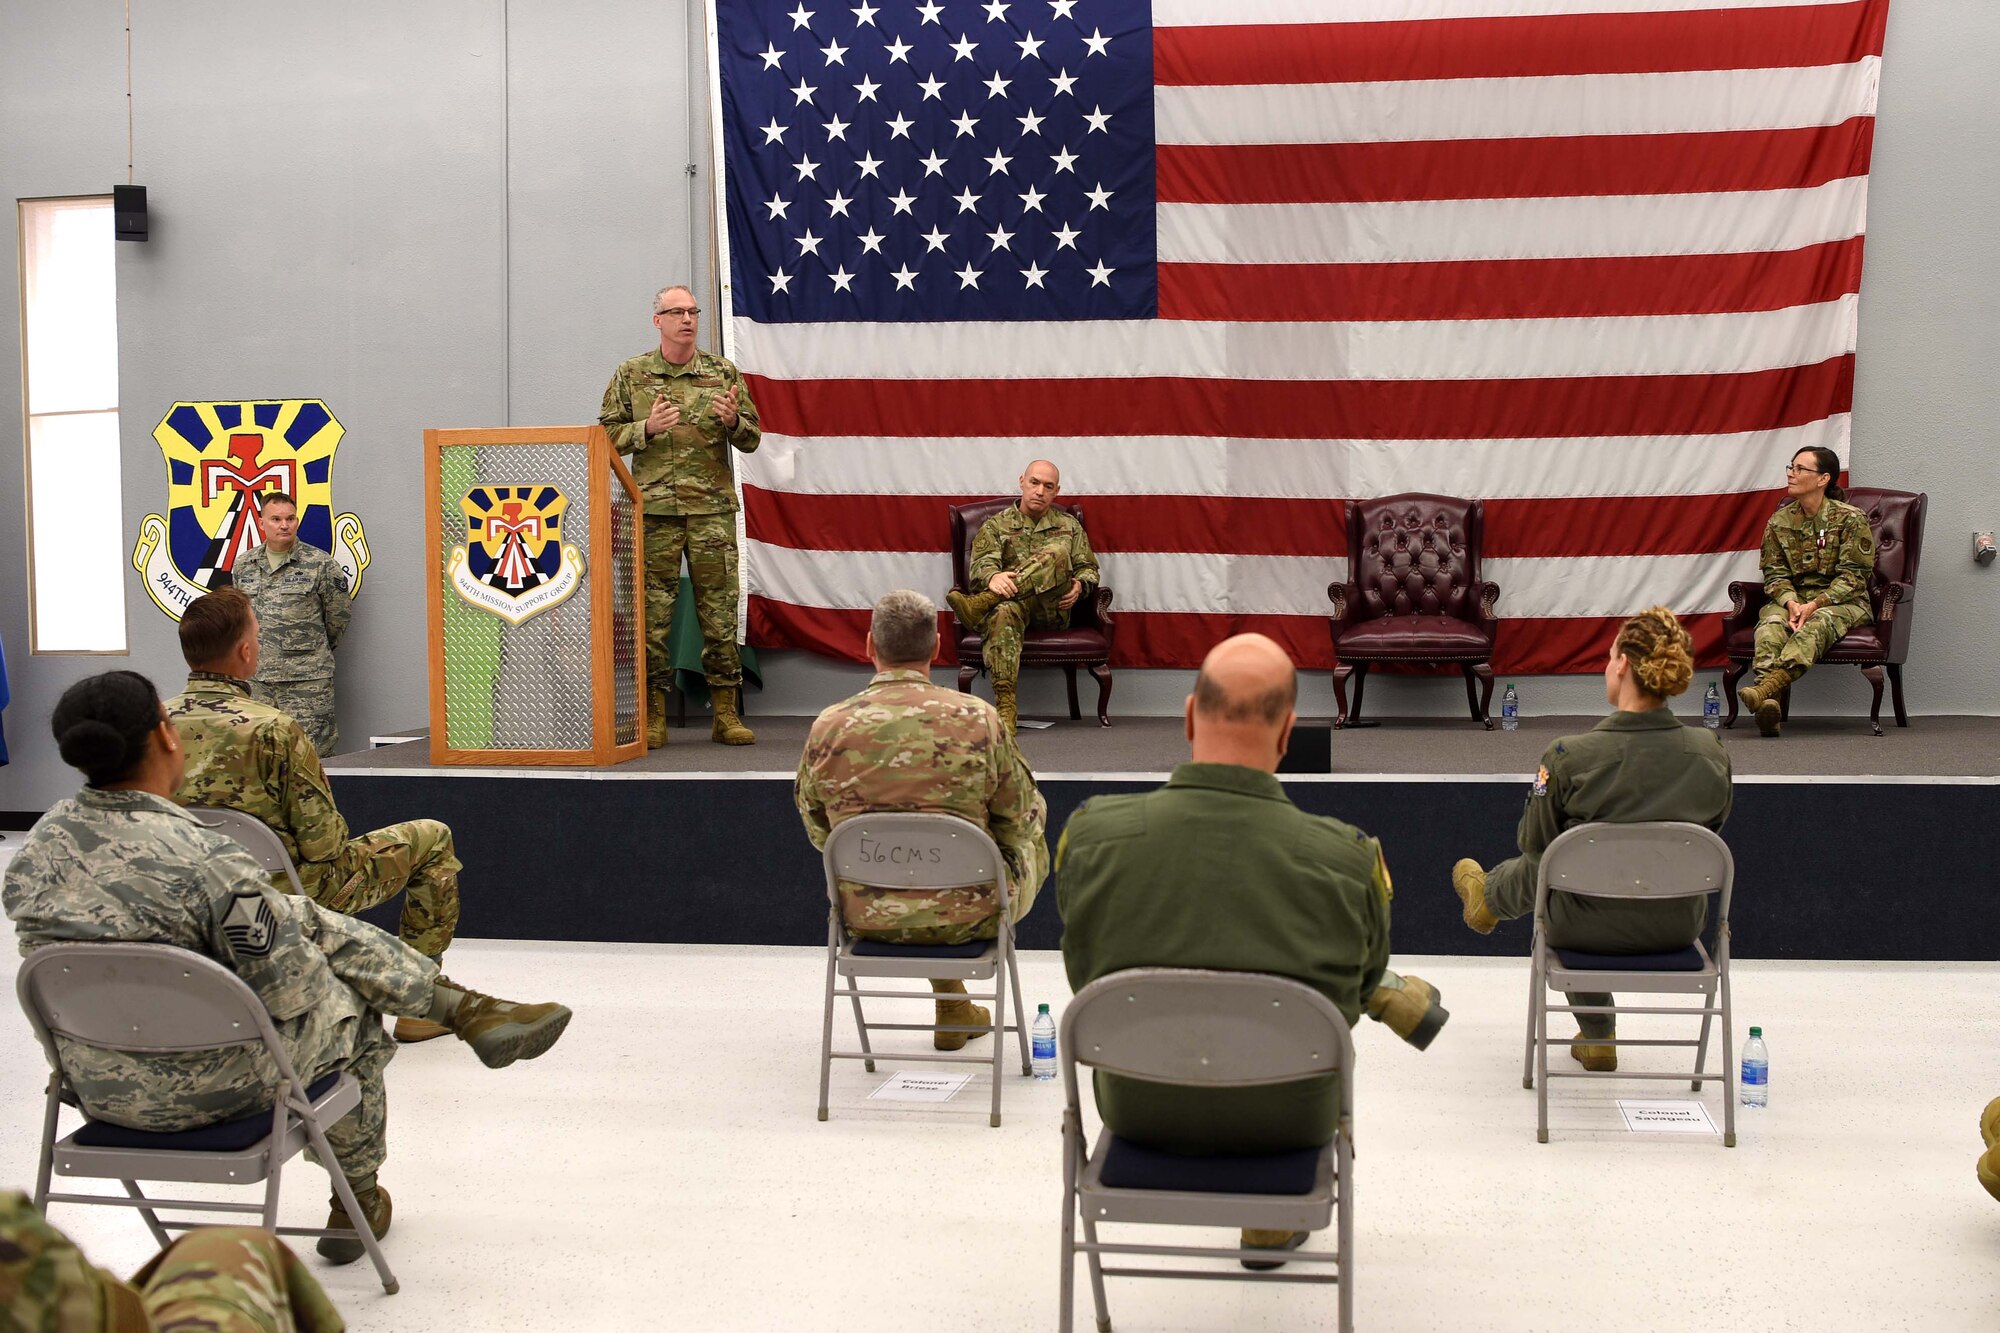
678	411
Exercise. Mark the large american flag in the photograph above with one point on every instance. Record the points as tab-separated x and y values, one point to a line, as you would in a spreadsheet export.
1229	262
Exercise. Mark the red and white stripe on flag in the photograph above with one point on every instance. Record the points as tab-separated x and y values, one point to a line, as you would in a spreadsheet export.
1593	261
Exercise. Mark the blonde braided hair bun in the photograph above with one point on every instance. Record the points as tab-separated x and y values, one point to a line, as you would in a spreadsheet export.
1660	650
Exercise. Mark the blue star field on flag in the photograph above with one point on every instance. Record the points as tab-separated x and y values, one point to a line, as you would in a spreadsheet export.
959	161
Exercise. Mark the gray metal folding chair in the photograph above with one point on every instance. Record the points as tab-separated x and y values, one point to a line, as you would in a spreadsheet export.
1649	861
156	998
917	851
255	836
1206	1029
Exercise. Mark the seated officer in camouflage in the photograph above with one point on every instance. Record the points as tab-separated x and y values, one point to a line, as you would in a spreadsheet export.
1030	564
1818	555
212	1280
906	744
1218	869
1637	765
679	411
121	861
302	603
248	756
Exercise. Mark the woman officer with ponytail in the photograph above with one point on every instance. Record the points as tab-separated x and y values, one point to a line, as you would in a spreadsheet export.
1637	765
1818	555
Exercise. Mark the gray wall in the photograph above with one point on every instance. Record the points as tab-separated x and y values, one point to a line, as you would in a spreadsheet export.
451	214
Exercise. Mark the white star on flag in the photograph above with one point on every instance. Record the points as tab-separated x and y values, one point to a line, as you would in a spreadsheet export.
906	278
842	279
1099	276
1034	273
968	277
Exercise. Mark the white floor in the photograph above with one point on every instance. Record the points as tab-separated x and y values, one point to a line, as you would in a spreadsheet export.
661	1168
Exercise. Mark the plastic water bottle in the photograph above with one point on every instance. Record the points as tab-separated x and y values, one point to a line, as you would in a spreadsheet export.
1711	706
1044	1044
1510	709
1756	1080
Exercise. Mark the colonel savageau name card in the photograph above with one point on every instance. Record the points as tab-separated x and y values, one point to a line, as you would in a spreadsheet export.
1673	1117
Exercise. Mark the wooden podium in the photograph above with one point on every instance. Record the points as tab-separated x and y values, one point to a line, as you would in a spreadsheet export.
536	598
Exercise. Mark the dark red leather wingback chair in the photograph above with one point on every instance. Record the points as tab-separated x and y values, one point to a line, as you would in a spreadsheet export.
1414	595
1883	645
1086	643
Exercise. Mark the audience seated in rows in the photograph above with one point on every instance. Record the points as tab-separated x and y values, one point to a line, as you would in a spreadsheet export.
121	862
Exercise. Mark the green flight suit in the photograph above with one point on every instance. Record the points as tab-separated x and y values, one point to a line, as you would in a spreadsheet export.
1631	768
1218	869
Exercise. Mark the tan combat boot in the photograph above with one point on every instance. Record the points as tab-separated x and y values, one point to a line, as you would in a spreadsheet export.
501	1031
1989	1161
1598	1059
375	1204
1003	699
409	1031
1761	699
727	728
1269	1240
972	608
962	1012
656	718
1468	881
1409	1005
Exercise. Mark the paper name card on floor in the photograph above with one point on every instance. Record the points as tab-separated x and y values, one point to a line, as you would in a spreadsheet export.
1033	726
1672	1117
906	1086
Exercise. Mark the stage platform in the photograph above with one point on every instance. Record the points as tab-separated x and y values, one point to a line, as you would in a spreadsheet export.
1847	845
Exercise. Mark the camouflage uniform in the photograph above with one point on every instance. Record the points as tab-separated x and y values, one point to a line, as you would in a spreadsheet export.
1826	558
906	744
245	755
302	608
213	1280
684	477
1631	768
131	866
1045	554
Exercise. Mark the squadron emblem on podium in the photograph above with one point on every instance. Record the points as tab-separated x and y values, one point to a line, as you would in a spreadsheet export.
221	458
514	562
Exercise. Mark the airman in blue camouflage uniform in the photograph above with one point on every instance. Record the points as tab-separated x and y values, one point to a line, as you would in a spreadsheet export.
303	606
121	861
679	411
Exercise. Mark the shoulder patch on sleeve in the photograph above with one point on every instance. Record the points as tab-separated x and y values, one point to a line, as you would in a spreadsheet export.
250	928
1541	785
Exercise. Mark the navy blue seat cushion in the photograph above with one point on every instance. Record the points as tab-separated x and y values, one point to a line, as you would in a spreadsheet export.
227	1136
1680	960
883	949
1132	1166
